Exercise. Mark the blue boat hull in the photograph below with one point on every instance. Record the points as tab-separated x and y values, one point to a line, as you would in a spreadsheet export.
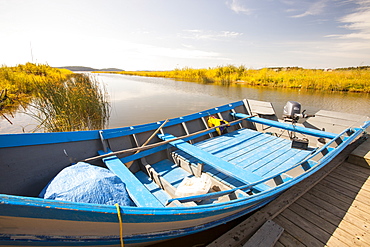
249	169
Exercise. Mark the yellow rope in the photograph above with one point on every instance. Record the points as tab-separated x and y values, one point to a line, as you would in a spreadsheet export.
120	224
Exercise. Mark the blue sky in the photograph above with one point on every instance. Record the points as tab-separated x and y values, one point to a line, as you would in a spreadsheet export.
169	34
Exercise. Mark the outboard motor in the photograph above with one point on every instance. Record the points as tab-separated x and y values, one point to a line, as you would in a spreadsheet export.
292	112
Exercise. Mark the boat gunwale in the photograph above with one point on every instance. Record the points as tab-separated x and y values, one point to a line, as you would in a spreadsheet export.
28	139
200	209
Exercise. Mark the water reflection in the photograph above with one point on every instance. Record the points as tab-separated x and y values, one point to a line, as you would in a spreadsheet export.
137	100
141	99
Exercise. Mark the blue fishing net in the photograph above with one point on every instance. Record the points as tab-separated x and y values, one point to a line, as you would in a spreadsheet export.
86	183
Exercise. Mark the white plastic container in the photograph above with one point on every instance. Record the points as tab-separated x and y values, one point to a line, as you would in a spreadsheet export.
194	186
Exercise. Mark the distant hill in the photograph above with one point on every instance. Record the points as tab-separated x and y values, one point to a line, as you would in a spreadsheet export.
82	68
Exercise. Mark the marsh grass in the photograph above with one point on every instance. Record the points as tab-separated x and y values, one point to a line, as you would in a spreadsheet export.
58	99
78	103
344	80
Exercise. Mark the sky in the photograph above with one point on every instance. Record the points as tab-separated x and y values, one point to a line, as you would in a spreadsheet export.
170	34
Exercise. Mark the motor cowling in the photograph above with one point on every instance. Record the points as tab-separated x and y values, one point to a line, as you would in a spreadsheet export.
292	110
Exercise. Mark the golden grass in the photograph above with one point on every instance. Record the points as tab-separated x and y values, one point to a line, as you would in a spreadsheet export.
57	98
350	80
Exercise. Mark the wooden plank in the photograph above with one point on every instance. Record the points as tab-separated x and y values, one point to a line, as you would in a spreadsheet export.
340	199
335	214
294	159
334	202
217	163
247	149
261	107
287	239
171	172
352	169
347	189
330	214
296	230
251	153
276	155
245	229
137	191
262	155
323	229
352	183
301	222
266	236
217	145
160	194
361	155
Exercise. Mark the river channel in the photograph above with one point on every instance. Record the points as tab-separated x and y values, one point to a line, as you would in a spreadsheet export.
136	100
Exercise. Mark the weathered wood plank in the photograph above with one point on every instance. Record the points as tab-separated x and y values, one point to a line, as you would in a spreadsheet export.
266	236
334	202
301	222
341	200
326	215
361	155
297	229
349	169
347	189
288	240
261	107
335	216
323	229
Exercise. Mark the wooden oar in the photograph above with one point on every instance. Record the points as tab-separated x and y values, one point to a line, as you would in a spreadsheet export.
128	164
159	143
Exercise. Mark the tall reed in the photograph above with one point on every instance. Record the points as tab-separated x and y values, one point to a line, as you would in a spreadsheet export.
58	99
78	103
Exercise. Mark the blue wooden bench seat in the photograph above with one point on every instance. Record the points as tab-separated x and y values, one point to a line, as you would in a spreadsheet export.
216	163
154	189
141	196
169	171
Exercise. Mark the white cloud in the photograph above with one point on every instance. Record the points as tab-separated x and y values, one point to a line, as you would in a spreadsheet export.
209	35
315	8
238	7
358	21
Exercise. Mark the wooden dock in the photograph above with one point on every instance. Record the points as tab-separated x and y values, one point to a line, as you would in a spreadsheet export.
331	208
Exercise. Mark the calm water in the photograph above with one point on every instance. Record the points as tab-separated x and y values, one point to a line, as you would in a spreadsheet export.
137	100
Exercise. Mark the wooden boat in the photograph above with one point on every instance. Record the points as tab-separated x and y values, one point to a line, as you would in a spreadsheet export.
248	167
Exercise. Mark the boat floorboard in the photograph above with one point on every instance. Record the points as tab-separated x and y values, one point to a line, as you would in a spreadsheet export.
259	153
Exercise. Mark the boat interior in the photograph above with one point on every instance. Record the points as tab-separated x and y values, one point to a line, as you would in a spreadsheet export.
154	159
249	159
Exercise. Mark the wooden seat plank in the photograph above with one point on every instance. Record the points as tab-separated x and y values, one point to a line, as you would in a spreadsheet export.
137	191
159	193
171	172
